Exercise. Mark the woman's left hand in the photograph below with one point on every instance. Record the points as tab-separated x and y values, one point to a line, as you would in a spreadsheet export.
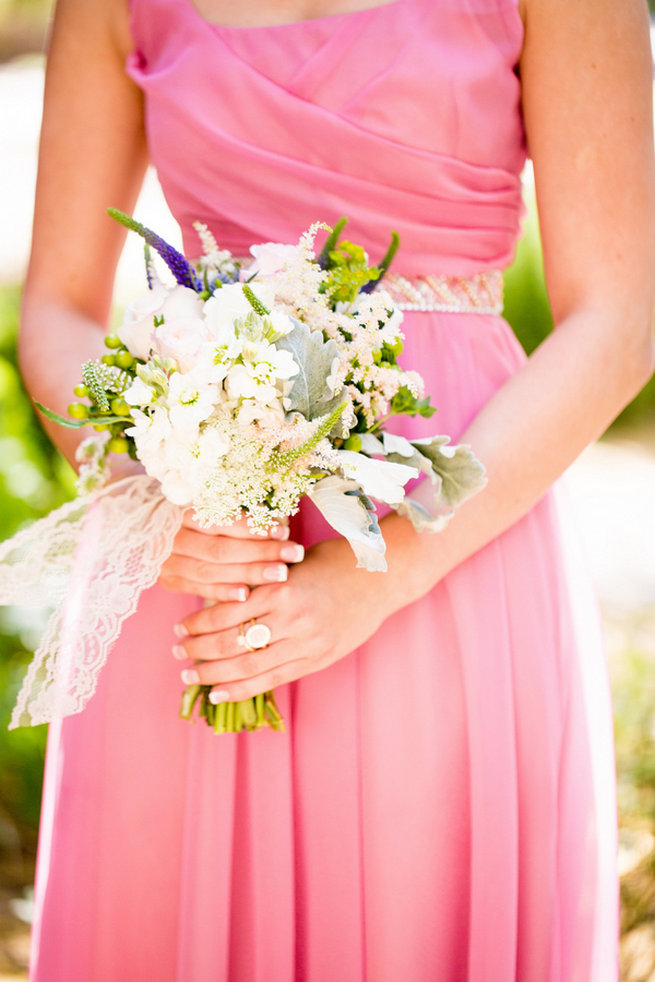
325	610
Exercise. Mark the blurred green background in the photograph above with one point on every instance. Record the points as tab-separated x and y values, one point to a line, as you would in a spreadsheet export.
34	479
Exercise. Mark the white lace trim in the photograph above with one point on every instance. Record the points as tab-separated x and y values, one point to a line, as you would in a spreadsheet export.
90	560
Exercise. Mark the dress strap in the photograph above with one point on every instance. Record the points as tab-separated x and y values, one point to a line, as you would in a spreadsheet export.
478	294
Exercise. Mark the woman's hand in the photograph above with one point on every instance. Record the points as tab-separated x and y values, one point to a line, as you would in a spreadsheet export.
222	562
327	608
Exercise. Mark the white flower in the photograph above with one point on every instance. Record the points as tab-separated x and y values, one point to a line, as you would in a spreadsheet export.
149	430
138	394
282	324
138	321
176	488
191	399
265	416
182	301
230	302
242	382
266	362
381	479
270	257
181	338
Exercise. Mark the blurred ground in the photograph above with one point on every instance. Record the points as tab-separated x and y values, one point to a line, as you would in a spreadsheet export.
611	487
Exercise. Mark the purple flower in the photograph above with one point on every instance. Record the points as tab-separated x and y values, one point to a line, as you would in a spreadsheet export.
179	266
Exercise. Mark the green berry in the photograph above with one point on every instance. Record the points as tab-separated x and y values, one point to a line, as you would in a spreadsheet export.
108	359
77	410
81	391
118	444
354	442
124	359
119	407
100	427
113	341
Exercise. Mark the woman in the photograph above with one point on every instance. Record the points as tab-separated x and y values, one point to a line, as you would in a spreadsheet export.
440	806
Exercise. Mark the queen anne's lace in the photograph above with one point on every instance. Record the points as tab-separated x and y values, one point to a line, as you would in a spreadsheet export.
90	560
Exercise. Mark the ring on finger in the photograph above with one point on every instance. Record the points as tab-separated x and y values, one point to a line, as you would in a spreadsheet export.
254	636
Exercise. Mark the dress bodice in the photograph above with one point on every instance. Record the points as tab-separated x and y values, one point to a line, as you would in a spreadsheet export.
404	116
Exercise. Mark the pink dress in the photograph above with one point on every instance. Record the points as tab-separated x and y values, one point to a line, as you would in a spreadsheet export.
440	808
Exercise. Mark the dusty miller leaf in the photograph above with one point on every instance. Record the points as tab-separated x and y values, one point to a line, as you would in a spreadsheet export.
347	509
310	394
462	475
454	472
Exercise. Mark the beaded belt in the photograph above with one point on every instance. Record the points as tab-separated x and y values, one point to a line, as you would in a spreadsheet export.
478	294
481	293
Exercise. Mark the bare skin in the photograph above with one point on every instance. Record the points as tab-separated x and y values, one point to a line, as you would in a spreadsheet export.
586	79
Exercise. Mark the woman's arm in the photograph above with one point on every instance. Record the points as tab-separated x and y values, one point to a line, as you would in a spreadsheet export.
92	155
586	78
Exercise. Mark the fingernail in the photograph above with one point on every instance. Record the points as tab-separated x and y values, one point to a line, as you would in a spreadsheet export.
179	652
239	593
219	695
276	574
190	676
180	631
280	532
292	554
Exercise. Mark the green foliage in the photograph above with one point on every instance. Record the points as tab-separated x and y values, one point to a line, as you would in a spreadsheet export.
526	301
404	403
349	271
528	310
634	726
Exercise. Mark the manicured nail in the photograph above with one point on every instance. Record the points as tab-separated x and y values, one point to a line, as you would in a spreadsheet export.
239	593
179	652
180	631
219	695
190	676
280	532
276	574
292	554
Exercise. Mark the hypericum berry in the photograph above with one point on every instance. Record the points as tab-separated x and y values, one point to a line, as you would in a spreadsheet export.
77	410
108	359
118	444
113	341
81	390
123	359
354	442
119	407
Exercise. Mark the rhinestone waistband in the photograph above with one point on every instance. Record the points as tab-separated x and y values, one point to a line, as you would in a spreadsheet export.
481	293
478	294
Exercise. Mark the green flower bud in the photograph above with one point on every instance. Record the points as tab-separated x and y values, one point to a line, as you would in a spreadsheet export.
118	444
119	407
113	341
124	359
77	410
354	442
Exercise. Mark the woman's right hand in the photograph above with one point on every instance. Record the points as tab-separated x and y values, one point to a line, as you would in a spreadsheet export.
223	562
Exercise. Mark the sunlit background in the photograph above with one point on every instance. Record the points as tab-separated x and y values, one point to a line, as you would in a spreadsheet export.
612	487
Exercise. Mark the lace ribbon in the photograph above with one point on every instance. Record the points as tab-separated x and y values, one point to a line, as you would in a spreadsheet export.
90	560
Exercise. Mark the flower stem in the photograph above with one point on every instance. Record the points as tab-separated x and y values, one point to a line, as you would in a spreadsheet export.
232	717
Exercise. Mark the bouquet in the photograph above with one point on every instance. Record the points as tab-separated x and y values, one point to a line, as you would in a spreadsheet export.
241	389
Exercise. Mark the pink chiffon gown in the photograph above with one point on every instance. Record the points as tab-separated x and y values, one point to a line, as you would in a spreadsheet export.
440	808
